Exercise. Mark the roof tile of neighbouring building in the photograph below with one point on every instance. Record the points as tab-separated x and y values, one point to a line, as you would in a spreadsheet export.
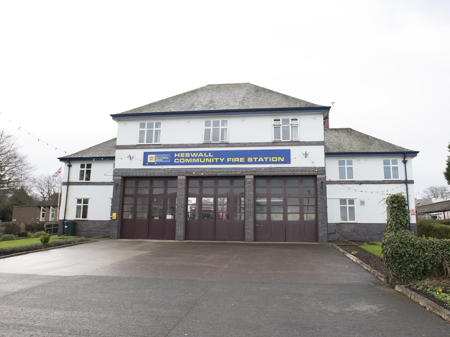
347	140
440	206
102	150
233	96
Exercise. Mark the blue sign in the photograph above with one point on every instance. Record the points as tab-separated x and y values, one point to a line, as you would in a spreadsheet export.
218	157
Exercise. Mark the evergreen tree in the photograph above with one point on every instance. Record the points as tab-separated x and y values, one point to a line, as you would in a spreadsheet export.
447	170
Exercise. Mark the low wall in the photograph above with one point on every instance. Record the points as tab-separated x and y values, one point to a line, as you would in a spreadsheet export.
359	231
91	228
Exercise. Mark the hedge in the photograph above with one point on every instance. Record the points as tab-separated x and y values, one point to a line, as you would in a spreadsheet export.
409	258
433	229
398	212
37	246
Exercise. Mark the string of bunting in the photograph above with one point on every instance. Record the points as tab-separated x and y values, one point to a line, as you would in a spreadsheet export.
36	137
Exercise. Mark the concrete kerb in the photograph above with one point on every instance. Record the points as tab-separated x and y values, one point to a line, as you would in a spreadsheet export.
416	297
47	248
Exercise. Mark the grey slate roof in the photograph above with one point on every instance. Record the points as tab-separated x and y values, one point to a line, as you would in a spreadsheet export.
232	96
105	149
347	140
440	206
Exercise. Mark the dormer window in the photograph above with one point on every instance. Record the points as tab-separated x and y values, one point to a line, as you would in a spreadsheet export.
149	132
215	131
285	129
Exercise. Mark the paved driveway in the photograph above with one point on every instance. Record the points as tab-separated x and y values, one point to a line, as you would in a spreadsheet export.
143	288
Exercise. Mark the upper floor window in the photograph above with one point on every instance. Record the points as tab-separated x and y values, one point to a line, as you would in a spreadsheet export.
390	168
215	131
85	172
345	169
149	132
42	214
82	208
285	129
347	209
52	214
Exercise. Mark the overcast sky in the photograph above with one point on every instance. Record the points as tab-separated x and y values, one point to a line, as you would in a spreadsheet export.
66	66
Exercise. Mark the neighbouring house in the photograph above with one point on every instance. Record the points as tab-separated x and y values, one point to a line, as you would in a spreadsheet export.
38	212
432	209
234	162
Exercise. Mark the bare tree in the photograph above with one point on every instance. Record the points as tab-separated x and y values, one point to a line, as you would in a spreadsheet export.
46	187
437	192
13	167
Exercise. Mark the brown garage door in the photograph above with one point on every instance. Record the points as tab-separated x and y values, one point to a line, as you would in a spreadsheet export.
148	210
215	209
285	209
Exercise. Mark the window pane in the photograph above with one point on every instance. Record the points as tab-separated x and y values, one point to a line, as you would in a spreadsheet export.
157	125
386	162
351	213
223	134
157	135
349	172
85	211
192	209
276	216
129	186
343	202
350	162
194	187
341	172
78	212
285	130
240	204
222	208
293	209
261	216
285	121
394	162
277	133
294	130
171	186
309	217
223	123
89	166
215	135
208	186
141	136
387	172
142	125
157	208
158	187
143	187
208	123
293	217
171	208
81	175
207	135
128	206
87	175
261	208
207	208
351	202
141	208
343	213
216	123
341	162
149	138
395	172
150	125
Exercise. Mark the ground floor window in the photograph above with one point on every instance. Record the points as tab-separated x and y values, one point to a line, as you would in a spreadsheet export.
82	208
52	214
347	209
42	214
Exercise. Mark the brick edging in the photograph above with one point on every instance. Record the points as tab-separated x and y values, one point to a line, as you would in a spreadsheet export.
424	302
414	296
363	265
43	249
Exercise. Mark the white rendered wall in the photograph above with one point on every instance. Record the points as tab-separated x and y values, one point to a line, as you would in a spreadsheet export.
370	201
241	129
101	171
368	168
99	196
301	156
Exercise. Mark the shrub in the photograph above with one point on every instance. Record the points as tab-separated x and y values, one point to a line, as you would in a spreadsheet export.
37	246
12	228
7	237
45	238
37	235
434	229
409	258
398	213
445	222
34	227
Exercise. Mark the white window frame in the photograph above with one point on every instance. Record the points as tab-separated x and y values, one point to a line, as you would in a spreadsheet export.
149	129
52	214
84	168
285	125
392	168
79	207
347	204
349	171
42	214
210	126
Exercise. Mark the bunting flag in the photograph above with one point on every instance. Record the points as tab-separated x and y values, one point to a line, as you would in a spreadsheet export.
58	172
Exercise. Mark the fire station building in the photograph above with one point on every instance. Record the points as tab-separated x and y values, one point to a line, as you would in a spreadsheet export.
234	162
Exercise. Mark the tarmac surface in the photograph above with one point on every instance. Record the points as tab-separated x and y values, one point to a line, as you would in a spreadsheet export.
201	289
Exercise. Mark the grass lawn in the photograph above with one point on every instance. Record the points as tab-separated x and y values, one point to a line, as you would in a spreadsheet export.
25	242
374	247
